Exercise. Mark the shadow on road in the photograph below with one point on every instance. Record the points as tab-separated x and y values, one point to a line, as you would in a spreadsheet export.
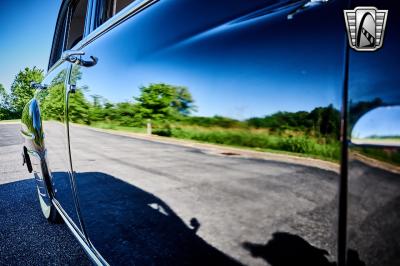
285	249
26	238
129	225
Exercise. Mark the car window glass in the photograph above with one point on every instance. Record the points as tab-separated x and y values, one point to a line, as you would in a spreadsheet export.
77	23
108	8
120	4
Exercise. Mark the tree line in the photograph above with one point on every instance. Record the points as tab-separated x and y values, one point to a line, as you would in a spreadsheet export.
12	104
160	103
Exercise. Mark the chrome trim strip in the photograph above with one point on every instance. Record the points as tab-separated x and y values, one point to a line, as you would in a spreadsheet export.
93	255
98	254
56	64
70	170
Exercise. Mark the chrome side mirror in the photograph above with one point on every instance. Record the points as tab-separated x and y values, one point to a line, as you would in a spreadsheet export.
378	127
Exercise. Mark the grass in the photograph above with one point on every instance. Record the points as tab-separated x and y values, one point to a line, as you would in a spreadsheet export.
262	140
391	156
11	120
293	143
117	127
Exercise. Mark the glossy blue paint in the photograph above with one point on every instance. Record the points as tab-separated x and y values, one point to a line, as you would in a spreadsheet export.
239	59
142	199
373	170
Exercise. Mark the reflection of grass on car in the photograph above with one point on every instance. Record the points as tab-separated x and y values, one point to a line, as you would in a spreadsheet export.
388	155
115	126
295	142
170	109
288	141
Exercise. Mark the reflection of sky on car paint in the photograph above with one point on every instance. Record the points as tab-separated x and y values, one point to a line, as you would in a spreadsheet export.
225	69
266	92
226	79
376	74
230	94
379	122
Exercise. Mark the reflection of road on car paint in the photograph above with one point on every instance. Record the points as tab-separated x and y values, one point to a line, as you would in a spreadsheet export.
374	209
235	200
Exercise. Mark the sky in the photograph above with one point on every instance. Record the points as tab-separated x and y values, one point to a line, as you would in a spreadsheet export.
26	32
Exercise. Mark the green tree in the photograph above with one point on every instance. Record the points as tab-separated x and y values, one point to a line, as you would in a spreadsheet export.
127	114
96	112
21	90
52	104
52	100
330	122
323	121
5	109
79	107
161	102
182	101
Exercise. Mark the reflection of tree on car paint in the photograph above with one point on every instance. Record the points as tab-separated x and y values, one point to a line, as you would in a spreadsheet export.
171	112
169	109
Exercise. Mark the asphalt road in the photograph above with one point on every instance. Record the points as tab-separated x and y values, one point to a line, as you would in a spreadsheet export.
244	205
26	238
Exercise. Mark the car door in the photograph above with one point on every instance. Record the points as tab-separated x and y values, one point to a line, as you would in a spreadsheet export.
264	75
373	170
53	112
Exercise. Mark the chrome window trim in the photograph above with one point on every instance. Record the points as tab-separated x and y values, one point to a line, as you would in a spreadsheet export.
64	11
91	252
58	63
65	215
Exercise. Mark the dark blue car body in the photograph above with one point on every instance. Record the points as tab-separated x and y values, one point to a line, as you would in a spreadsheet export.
139	200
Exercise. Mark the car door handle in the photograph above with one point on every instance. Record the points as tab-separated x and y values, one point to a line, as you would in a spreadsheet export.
71	55
75	57
38	85
309	4
89	63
